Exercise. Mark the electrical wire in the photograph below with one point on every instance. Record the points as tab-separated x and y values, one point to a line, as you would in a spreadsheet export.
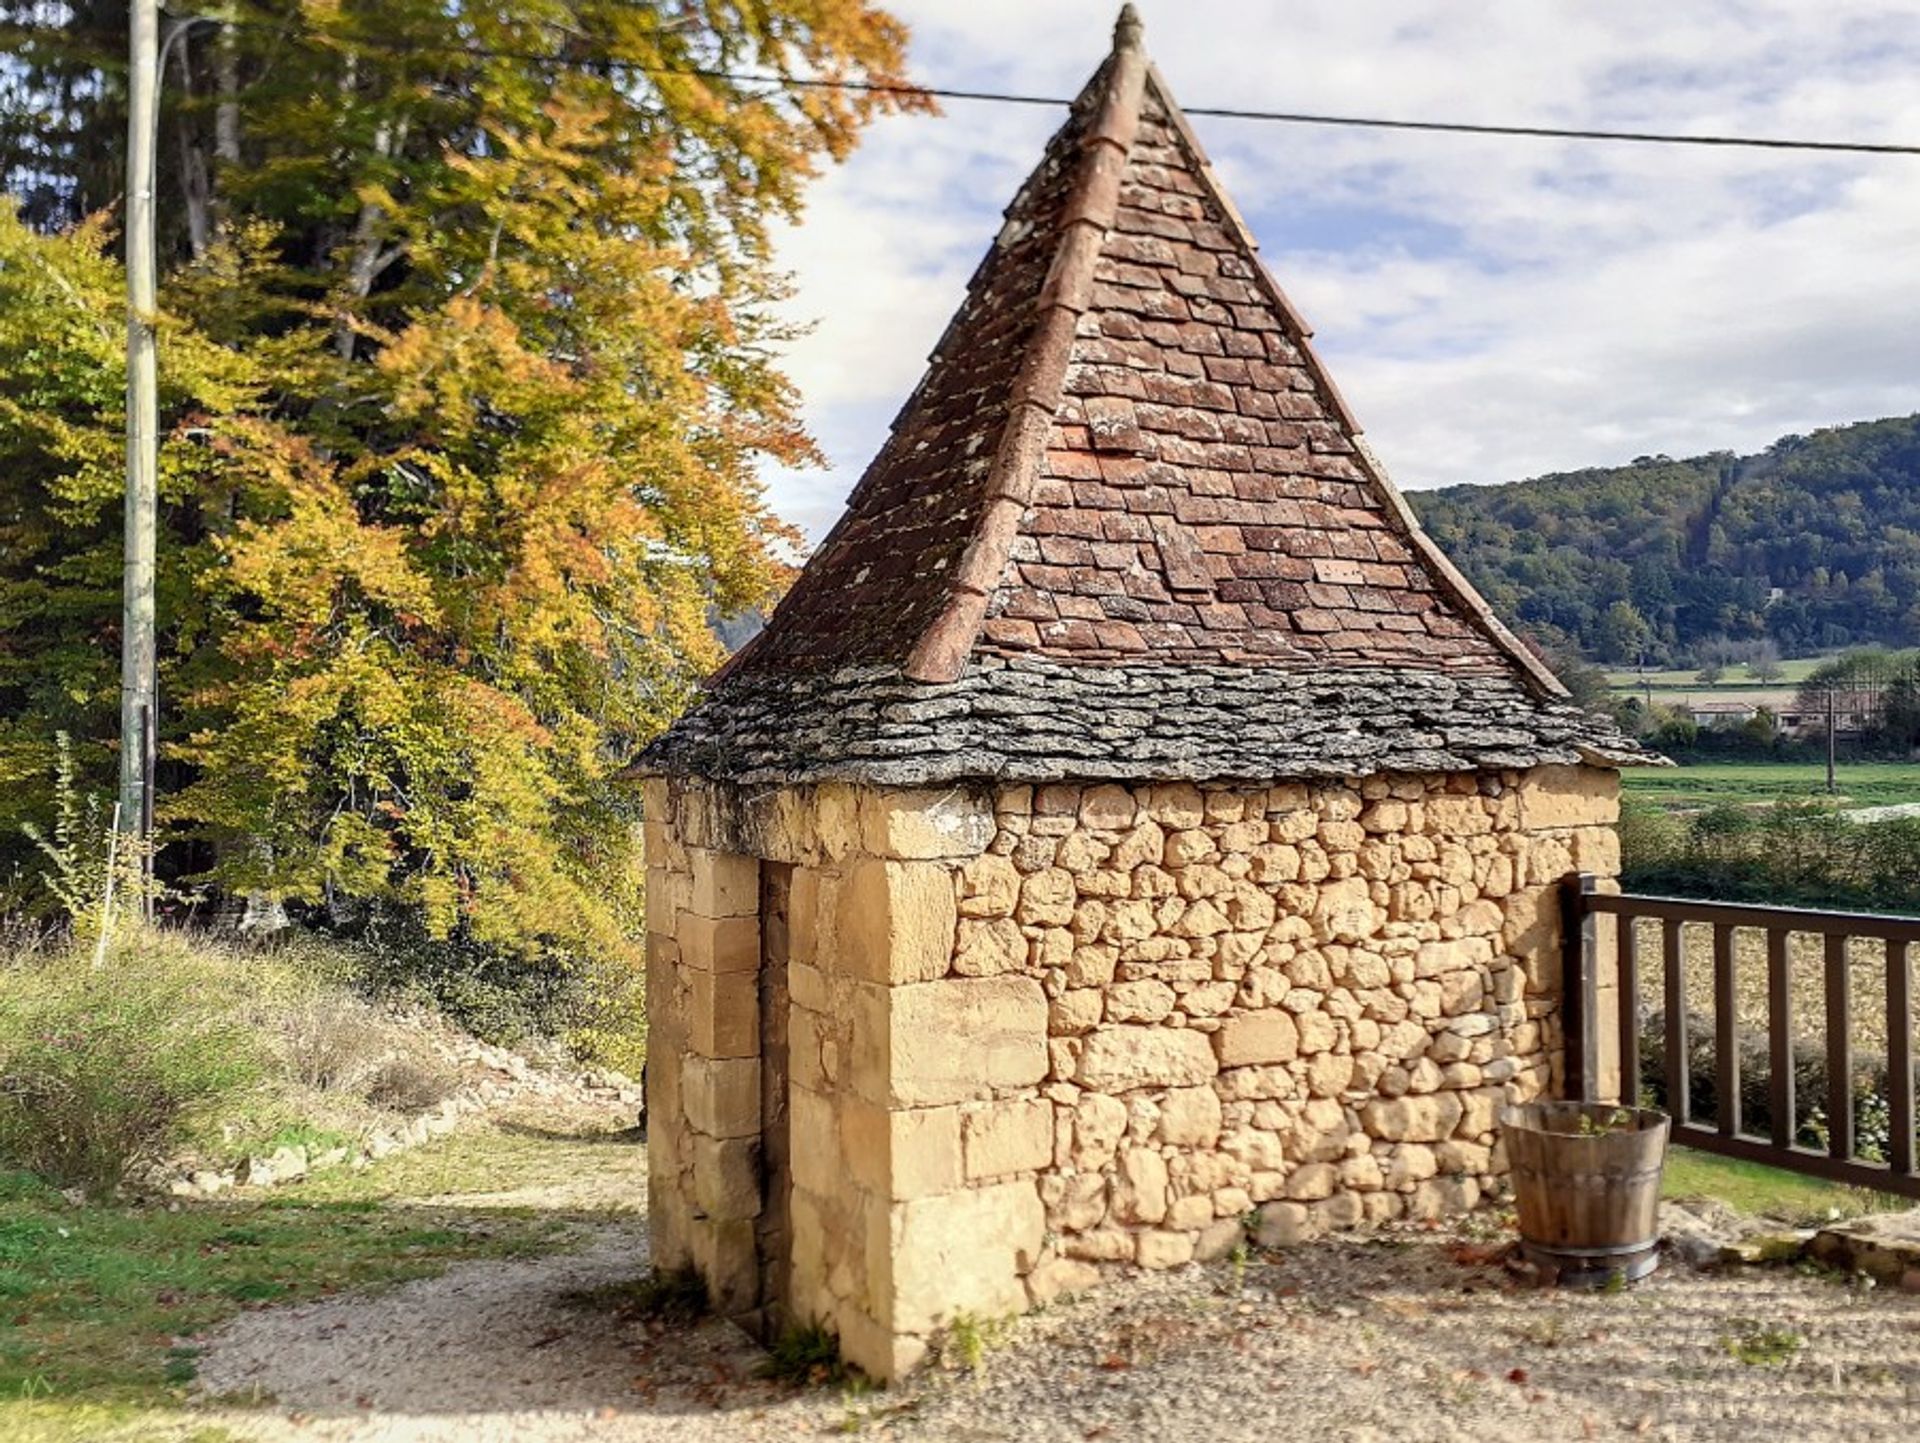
1283	117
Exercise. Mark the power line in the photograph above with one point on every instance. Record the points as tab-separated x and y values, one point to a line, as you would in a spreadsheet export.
1287	117
995	97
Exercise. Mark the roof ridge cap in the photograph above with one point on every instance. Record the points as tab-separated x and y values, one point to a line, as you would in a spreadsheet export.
1449	577
1087	217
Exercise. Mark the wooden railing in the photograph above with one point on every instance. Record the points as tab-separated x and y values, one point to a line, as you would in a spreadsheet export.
1586	1021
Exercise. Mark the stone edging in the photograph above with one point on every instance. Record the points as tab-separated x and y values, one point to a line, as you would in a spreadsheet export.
1883	1248
517	1078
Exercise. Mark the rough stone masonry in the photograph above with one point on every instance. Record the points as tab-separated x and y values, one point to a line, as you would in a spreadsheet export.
1039	1032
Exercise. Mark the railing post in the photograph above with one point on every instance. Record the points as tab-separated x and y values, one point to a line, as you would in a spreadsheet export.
1900	1059
1579	984
1839	1048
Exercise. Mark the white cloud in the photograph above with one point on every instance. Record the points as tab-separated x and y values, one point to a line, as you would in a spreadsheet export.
1492	308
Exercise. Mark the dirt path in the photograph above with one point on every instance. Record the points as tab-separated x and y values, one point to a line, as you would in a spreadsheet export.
1411	1336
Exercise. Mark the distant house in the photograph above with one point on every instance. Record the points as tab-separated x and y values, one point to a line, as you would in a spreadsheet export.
1853	713
1722	713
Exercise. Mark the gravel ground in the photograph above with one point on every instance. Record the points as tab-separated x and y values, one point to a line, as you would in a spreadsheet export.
1412	1335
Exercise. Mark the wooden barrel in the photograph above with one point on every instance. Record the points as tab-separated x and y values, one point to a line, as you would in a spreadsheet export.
1586	1179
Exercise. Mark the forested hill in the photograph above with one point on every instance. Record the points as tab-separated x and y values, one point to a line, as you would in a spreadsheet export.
1813	544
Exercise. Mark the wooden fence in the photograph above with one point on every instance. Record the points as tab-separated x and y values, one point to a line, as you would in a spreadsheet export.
1589	1013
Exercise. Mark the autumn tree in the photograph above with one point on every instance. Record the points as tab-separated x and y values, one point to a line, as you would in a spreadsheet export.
460	456
62	337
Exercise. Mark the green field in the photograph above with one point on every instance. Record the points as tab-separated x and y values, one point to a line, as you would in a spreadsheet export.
1735	678
1862	784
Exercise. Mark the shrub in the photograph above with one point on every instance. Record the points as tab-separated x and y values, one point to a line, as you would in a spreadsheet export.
613	1032
1811	1100
333	1042
106	1068
409	1082
1795	853
594	1006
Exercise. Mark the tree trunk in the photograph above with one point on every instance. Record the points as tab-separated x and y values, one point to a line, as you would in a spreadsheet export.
195	185
364	256
226	121
366	259
226	114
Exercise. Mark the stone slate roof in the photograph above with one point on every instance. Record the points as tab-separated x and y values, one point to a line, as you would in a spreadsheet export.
1126	527
1027	719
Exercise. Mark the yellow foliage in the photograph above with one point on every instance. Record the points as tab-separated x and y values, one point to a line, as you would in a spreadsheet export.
463	413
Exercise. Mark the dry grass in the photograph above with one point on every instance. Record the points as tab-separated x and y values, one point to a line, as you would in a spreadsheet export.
126	1056
1806	968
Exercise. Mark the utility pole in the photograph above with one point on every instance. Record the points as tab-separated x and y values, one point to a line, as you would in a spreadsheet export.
1832	787
138	709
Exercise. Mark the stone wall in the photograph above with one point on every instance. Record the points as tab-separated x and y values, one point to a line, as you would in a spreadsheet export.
1048	1031
1301	1005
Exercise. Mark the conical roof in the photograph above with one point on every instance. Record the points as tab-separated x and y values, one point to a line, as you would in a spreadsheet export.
1125	527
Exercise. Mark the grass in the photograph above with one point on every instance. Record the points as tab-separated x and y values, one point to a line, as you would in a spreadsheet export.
1758	1344
52	1420
197	1050
94	1297
970	1337
304	1134
96	1300
1862	784
805	1356
472	1160
1733	678
1759	1191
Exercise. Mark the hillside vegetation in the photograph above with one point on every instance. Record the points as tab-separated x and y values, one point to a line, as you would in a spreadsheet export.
1664	561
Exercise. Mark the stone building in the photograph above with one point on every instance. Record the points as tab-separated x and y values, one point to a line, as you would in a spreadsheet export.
1130	822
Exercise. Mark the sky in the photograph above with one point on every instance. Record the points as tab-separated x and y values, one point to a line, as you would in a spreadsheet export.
1492	308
